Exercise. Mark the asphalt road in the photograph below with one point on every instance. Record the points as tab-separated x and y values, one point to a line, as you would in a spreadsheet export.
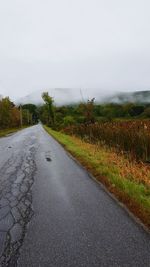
53	214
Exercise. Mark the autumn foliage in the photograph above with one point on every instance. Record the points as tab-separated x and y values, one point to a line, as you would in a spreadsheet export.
9	114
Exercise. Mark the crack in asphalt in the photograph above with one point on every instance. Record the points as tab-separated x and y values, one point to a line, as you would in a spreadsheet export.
17	178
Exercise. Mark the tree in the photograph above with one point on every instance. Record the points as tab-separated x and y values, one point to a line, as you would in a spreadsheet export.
15	117
9	114
136	110
68	120
50	108
31	113
147	112
88	110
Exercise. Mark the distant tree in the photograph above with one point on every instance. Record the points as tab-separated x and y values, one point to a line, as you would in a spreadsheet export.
88	110
43	114
68	120
9	114
147	112
50	108
136	110
112	110
15	117
31	113
5	112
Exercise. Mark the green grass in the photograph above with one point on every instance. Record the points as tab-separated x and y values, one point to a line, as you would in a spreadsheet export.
134	194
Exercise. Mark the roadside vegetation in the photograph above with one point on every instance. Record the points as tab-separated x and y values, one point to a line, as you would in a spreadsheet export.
131	138
13	118
124	128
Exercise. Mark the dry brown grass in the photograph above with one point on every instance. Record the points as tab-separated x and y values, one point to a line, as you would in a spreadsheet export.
129	137
139	172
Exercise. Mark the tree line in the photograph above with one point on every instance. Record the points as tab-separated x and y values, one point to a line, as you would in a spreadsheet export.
59	117
12	116
89	112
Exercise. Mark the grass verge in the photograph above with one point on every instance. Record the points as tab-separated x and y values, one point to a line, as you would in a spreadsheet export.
6	132
122	178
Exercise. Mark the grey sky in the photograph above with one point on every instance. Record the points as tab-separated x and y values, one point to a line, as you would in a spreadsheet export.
103	44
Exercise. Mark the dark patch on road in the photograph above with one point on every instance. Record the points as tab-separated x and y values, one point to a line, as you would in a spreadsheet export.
47	156
48	159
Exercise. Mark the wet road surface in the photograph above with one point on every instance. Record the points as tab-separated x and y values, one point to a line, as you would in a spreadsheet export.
53	214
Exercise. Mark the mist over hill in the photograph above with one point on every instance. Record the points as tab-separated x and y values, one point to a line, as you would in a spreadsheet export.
141	97
71	96
64	96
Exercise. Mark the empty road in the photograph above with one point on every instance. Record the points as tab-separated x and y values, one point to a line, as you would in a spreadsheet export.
53	214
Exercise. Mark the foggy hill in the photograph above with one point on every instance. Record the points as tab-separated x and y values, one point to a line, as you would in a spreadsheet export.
62	96
134	97
72	96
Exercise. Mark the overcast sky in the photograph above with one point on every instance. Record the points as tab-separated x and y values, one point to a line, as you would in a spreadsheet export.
103	44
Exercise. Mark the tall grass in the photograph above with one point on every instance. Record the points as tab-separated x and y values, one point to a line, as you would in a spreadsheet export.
129	137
